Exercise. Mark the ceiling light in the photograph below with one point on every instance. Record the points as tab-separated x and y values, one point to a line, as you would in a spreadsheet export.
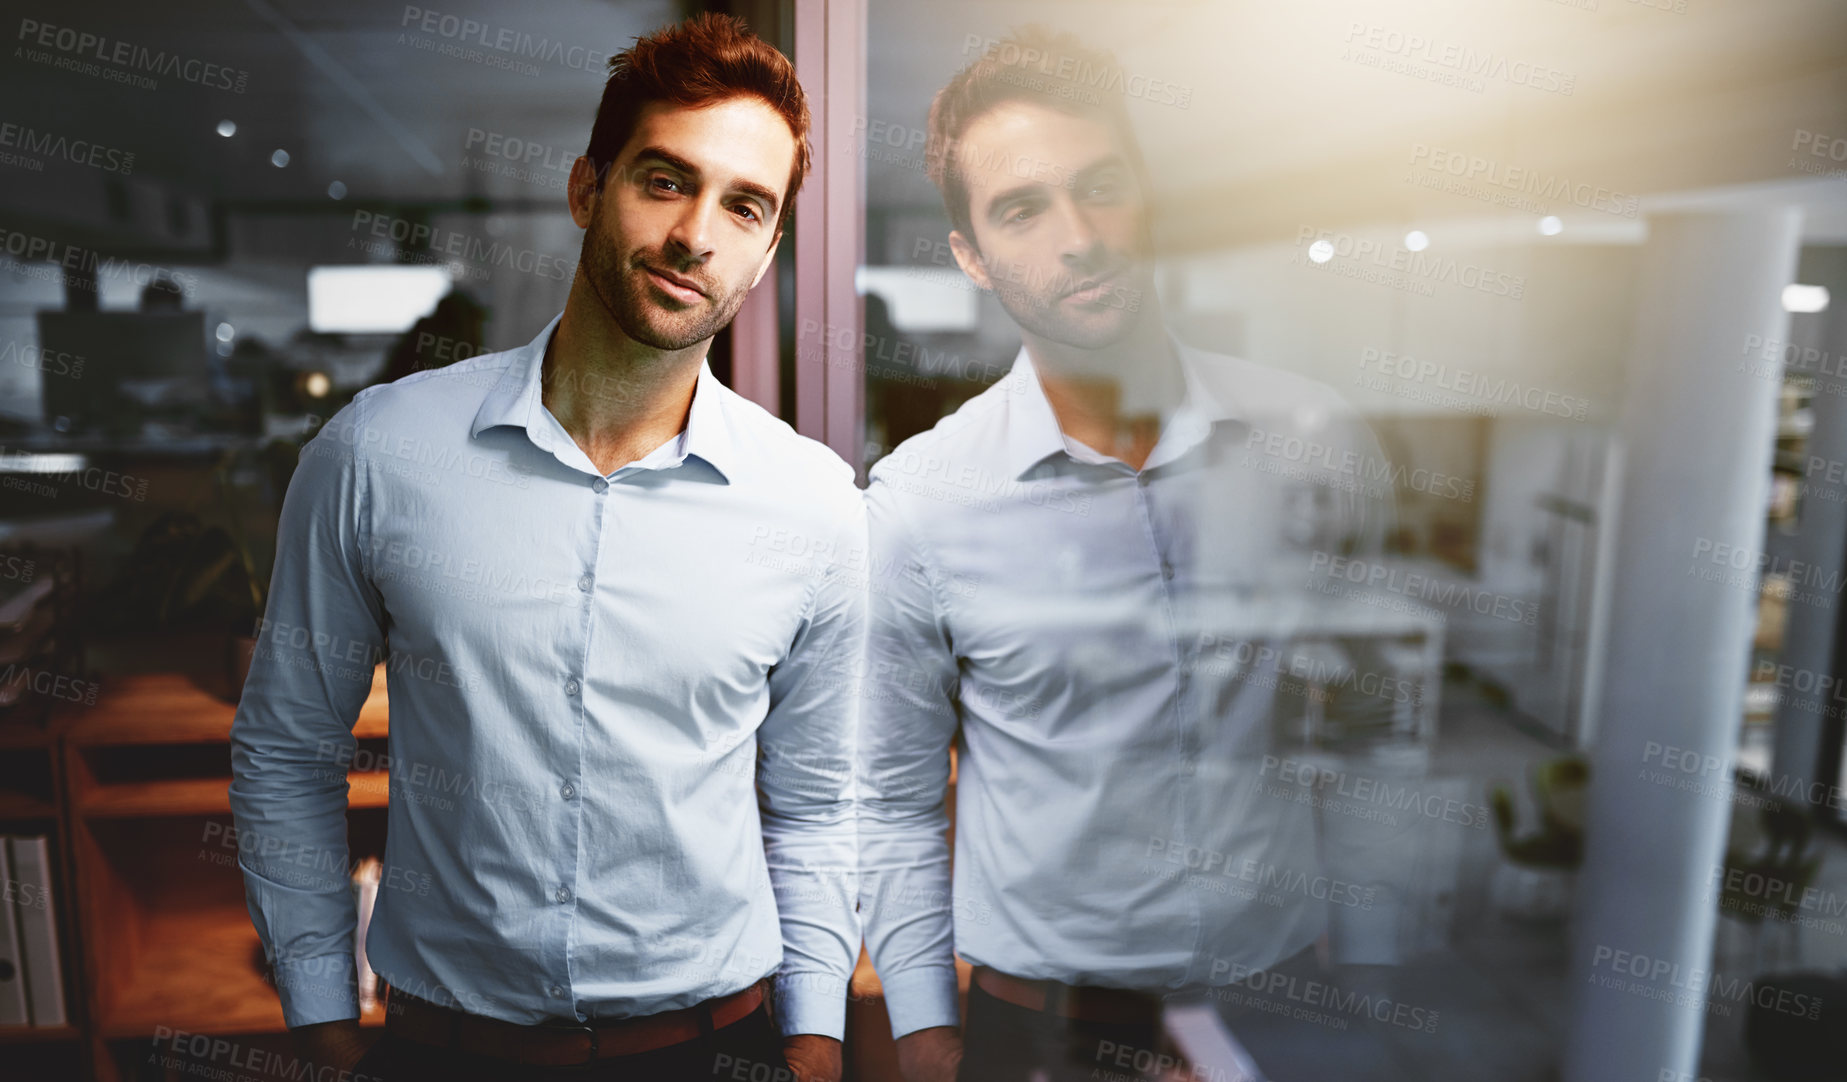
1801	298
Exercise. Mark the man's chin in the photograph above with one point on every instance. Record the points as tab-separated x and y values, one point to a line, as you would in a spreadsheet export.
1098	330
663	334
659	325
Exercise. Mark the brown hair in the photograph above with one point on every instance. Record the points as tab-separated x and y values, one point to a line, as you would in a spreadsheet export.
1033	64
705	59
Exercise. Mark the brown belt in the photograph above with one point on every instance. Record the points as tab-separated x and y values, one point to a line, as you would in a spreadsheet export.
1082	1002
559	1044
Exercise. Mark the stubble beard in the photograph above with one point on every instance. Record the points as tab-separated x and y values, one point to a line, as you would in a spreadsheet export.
626	293
1041	313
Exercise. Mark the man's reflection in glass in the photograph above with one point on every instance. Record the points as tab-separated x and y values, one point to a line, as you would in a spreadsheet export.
1104	582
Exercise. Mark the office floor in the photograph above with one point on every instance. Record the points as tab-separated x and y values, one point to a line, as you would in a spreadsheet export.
1499	990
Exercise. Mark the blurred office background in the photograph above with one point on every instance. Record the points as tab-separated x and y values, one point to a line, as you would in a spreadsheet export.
1581	264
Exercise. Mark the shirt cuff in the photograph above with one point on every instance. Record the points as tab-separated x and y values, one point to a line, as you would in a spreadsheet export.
321	989
811	1003
922	997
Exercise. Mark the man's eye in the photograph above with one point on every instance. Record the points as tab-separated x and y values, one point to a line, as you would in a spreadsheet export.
749	212
665	184
1022	214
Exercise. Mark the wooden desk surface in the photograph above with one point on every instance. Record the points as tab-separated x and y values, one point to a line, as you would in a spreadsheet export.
173	708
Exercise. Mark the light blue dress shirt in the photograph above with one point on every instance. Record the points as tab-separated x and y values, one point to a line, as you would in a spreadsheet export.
1108	644
622	708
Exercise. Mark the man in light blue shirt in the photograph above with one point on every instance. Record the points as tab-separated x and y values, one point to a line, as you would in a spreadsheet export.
1093	582
602	585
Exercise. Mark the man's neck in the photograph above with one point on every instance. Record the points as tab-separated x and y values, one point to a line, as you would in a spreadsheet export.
1113	400
618	398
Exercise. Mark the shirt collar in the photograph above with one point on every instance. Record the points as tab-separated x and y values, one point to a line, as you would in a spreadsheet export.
515	400
513	397
1033	434
708	431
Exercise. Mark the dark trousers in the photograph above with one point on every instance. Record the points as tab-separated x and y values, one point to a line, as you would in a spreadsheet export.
1005	1043
748	1050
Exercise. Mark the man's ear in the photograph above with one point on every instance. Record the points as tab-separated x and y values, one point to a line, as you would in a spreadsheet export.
581	192
968	257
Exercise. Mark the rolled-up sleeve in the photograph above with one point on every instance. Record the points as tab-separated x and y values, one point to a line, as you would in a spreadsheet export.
909	720
292	736
806	789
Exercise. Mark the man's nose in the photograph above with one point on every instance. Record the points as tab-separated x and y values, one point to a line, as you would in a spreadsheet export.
1078	240
690	236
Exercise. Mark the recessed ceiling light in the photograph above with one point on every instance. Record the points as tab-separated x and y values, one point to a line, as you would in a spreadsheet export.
336	190
1417	240
1551	226
227	128
279	159
1321	251
1801	298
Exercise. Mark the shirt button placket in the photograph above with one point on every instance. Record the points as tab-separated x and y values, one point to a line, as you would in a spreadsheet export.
572	687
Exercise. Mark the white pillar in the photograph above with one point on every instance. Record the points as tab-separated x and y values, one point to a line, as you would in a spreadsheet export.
1698	436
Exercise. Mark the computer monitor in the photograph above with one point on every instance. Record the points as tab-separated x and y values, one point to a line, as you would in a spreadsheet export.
128	360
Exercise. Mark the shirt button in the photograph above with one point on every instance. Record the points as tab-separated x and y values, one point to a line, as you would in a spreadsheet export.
1142	479
600	485
1167	571
568	791
585	583
1188	767
570	687
563	894
557	989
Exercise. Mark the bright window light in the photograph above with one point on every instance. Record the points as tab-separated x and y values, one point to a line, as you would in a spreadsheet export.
1801	298
372	299
924	298
32	462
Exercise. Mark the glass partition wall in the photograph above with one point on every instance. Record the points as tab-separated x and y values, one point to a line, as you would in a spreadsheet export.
1388	448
